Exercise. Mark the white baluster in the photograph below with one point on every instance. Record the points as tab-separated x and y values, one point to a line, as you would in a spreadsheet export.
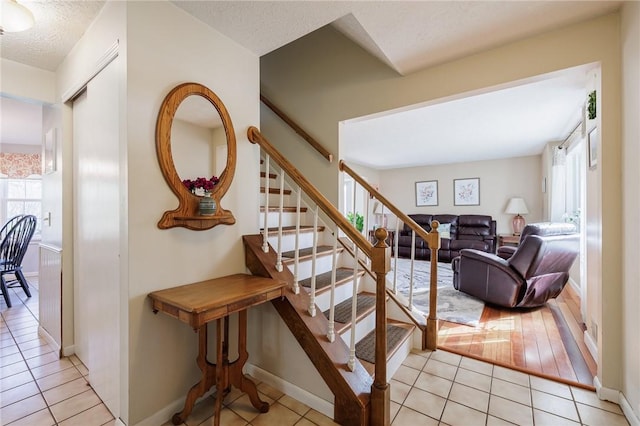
331	334
351	364
413	257
314	252
296	284
280	214
265	243
395	257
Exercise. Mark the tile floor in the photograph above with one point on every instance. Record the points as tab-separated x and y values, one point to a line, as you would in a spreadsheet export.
430	388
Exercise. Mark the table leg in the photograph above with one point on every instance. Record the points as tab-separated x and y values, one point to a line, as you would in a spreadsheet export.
205	383
237	378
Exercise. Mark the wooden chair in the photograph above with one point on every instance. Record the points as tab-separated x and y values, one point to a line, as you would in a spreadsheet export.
12	250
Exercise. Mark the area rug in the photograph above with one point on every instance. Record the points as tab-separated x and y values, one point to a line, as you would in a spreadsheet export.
453	305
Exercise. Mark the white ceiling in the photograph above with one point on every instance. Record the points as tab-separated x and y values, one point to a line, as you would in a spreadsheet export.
407	35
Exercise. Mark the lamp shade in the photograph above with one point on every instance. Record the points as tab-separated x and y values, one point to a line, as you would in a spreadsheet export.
14	17
516	205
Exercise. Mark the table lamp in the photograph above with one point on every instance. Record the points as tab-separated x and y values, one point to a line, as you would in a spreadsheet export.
518	207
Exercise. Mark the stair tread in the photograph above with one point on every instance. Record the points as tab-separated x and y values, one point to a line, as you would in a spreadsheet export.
291	229
323	280
396	334
275	190
342	311
286	209
271	175
307	251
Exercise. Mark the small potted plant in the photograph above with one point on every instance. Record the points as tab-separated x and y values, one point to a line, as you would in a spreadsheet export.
203	187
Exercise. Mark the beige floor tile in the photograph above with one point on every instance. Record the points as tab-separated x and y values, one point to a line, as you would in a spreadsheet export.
542	418
22	408
555	405
394	407
425	403
473	379
57	379
406	375
593	416
294	405
304	422
10	350
242	407
278	415
32	344
11	369
37	351
399	391
512	376
234	394
434	384
460	415
440	369
227	418
65	391
495	421
590	398
477	366
94	416
470	397
42	360
39	418
270	391
448	357
25	334
74	405
409	417
511	391
18	393
201	411
15	380
319	418
510	411
51	368
549	386
10	359
415	361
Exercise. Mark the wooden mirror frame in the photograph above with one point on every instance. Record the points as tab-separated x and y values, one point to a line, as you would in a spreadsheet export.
186	215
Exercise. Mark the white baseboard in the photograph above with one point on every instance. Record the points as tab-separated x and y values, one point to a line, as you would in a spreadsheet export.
69	350
50	340
618	397
166	413
591	345
313	401
119	422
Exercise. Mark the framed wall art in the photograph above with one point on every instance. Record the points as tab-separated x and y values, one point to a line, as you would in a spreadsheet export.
427	193
466	192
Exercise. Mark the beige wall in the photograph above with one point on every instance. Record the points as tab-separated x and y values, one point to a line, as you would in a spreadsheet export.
323	79
631	203
499	181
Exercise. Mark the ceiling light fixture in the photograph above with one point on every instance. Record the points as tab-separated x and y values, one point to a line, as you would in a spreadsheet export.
14	17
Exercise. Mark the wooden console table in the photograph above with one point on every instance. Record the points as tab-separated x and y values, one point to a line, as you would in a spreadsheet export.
200	303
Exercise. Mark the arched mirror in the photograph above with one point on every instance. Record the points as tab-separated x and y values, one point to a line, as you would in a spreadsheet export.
196	147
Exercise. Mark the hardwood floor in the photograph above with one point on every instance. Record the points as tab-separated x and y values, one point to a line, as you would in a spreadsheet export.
545	341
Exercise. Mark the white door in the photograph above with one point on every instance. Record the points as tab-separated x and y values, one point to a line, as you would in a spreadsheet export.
97	233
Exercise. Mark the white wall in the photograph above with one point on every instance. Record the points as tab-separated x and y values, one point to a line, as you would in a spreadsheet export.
499	181
27	82
631	204
166	47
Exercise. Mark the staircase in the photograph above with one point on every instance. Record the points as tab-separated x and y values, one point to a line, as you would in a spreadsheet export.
337	286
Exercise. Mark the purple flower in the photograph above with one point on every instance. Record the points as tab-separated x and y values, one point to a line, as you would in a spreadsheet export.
207	185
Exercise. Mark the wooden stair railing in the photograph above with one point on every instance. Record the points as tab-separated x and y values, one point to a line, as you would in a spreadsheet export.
433	240
296	128
351	407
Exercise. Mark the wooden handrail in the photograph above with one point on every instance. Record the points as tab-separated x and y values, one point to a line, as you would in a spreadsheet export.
304	135
433	240
255	136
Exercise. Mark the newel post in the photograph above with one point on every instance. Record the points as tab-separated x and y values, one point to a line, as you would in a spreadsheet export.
380	391
432	319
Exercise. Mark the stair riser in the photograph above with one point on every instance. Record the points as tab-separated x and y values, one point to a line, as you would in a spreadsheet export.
274	200
363	327
343	292
289	240
288	219
323	264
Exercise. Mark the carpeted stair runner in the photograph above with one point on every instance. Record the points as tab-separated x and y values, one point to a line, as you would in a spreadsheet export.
306	251
366	347
324	280
342	312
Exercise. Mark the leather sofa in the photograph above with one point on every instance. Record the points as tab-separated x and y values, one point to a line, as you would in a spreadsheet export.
465	232
535	272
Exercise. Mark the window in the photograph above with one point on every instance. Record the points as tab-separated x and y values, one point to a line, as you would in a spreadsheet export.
21	196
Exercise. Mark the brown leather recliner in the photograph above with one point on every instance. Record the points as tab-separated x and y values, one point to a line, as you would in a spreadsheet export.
537	271
541	228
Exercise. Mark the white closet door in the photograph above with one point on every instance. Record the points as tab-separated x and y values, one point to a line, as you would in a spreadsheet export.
97	233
